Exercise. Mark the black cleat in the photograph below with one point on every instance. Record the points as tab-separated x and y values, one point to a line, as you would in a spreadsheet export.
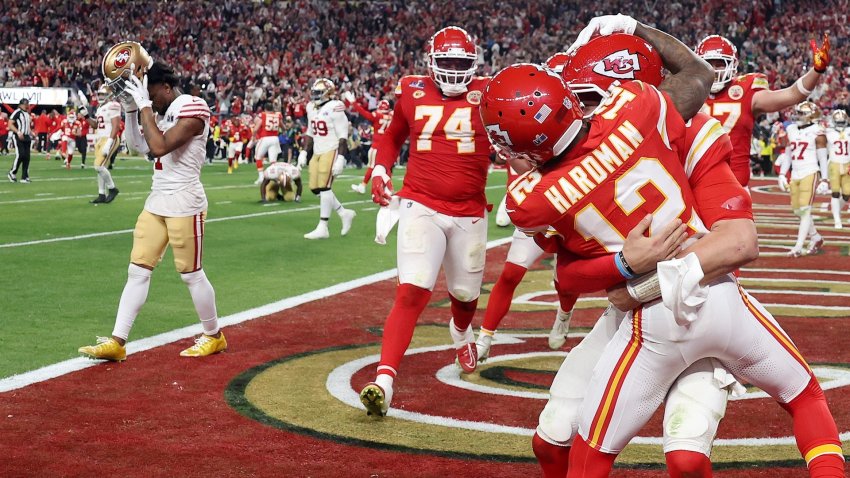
101	198
111	195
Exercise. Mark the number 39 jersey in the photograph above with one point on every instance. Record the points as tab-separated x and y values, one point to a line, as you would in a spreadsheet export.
802	149
733	107
326	124
627	166
449	149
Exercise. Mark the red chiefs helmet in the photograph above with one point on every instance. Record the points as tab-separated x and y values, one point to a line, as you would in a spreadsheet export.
529	110
715	49
620	57
557	61
383	106
451	60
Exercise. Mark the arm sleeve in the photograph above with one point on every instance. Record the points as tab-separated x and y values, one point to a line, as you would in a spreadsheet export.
719	196
395	135
582	276
369	116
823	157
133	134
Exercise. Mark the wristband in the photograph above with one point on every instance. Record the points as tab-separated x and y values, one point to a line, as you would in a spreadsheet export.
623	266
645	289
802	89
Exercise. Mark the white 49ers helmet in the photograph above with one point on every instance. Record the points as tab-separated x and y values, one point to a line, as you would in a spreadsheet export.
118	60
840	118
322	91
806	113
451	60
723	57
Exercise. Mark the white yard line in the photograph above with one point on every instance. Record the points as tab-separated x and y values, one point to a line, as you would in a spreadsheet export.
72	365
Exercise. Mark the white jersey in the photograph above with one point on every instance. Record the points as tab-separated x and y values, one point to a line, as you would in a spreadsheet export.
177	190
838	141
802	149
275	170
105	114
327	125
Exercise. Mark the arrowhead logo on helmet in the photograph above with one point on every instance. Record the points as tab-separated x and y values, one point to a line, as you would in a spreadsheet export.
620	64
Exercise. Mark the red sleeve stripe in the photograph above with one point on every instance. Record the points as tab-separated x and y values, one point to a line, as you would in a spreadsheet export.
194	109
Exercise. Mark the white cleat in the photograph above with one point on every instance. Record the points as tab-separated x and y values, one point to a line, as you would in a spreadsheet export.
838	225
347	217
258	181
795	252
560	328
320	232
359	188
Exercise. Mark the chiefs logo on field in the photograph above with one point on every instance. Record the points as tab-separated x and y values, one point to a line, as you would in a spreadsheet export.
122	58
473	97
620	64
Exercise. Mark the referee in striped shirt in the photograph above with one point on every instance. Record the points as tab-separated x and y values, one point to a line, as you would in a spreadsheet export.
19	124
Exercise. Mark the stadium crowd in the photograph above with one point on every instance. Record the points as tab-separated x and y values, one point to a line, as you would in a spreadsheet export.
240	54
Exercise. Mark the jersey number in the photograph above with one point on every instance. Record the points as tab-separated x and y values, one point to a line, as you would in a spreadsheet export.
157	165
319	127
383	123
458	127
273	123
628	189
101	124
841	148
798	145
731	112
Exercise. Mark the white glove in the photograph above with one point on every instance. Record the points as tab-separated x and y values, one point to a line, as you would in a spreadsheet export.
604	25
83	111
107	145
138	90
783	182
823	187
338	166
302	158
348	97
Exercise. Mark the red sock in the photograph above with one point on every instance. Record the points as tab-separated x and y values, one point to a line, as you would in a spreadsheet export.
230	162
567	300
502	294
463	312
815	432
409	303
259	165
587	462
553	459
368	176
688	464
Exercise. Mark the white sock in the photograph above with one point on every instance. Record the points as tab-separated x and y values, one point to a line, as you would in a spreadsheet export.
203	295
326	203
107	179
100	186
564	316
385	381
803	231
132	299
336	205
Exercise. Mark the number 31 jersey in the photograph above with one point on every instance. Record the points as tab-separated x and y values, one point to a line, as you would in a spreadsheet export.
628	166
449	149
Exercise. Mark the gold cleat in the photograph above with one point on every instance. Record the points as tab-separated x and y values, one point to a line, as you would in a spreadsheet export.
374	399
206	345
106	348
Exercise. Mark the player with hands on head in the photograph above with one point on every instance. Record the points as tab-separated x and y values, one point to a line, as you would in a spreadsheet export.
326	145
443	210
176	127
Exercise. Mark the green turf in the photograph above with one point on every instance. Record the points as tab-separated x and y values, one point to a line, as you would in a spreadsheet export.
56	296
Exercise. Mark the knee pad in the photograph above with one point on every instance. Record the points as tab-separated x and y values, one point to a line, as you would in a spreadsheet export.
463	295
318	191
558	422
694	407
836	194
846	198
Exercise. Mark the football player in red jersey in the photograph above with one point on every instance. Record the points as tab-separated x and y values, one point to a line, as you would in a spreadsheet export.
380	119
736	101
266	129
597	178
443	211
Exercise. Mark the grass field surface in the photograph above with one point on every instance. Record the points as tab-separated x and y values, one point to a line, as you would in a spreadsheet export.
64	261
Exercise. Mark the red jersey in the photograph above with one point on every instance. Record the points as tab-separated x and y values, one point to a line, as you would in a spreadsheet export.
4	126
449	148
245	133
269	124
56	123
380	122
626	167
226	128
733	107
42	123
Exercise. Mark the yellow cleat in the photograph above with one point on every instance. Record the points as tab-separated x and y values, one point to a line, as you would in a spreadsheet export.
374	399
236	165
206	345
107	348
229	170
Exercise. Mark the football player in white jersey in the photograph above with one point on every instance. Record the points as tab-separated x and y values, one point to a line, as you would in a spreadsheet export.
176	127
807	157
326	145
107	122
277	183
838	139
